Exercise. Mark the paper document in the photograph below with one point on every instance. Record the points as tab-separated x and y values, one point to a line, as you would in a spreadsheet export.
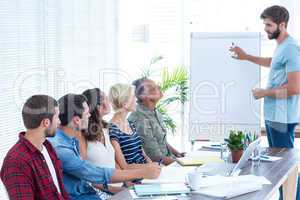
209	181
197	158
227	187
171	175
230	190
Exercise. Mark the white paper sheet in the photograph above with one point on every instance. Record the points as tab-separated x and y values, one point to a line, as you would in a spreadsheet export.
229	190
228	187
171	175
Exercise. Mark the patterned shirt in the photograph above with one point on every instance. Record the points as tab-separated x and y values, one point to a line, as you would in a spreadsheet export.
25	172
152	131
131	145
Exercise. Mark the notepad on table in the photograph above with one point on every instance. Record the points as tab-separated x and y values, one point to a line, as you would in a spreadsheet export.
190	161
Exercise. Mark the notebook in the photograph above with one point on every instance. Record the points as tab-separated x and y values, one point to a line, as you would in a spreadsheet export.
161	189
188	161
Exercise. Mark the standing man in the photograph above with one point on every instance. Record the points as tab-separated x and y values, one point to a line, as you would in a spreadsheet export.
31	169
149	123
281	97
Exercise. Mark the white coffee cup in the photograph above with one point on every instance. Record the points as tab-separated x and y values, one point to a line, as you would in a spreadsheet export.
194	179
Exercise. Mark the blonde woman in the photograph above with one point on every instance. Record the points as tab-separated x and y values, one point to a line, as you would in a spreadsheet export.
123	135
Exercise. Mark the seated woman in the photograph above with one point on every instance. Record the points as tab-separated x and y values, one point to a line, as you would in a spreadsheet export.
123	135
98	146
95	145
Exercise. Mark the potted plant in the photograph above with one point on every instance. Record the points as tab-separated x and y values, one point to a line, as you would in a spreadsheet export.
235	143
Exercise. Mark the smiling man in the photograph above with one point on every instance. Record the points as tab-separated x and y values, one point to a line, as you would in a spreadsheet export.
281	97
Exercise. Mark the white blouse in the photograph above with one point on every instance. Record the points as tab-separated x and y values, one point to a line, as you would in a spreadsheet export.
100	154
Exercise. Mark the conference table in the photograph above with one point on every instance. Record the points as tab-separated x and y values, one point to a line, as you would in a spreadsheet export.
282	172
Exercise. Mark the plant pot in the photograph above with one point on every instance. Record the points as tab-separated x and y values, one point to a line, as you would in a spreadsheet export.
236	155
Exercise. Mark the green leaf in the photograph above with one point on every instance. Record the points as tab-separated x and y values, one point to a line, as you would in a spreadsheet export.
235	140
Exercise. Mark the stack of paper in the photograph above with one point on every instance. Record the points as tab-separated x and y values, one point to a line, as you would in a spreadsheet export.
229	191
228	187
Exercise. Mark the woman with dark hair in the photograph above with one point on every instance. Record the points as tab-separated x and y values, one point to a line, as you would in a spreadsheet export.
98	148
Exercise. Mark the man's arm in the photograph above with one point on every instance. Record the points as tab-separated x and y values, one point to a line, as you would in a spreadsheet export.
110	188
165	160
82	169
292	87
17	180
85	170
149	171
242	55
174	151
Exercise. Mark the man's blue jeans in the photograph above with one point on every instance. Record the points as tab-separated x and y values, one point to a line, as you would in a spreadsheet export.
282	135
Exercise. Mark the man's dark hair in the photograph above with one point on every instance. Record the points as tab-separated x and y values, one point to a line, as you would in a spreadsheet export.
277	14
36	109
139	87
70	105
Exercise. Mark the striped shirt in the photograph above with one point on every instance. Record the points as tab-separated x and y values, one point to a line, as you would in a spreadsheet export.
131	145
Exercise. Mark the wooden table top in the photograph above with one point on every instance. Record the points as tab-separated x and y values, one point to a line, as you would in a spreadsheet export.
276	172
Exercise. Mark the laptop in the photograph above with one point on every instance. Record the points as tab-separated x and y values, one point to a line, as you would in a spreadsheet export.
230	169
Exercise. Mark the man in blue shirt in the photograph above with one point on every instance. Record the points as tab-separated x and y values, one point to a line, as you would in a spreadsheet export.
79	174
281	97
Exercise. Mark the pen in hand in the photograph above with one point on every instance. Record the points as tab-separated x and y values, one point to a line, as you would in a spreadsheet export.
160	161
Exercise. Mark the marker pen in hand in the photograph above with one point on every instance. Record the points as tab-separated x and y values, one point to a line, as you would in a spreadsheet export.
232	53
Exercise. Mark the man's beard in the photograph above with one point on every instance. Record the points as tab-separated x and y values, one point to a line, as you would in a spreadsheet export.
50	132
275	34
